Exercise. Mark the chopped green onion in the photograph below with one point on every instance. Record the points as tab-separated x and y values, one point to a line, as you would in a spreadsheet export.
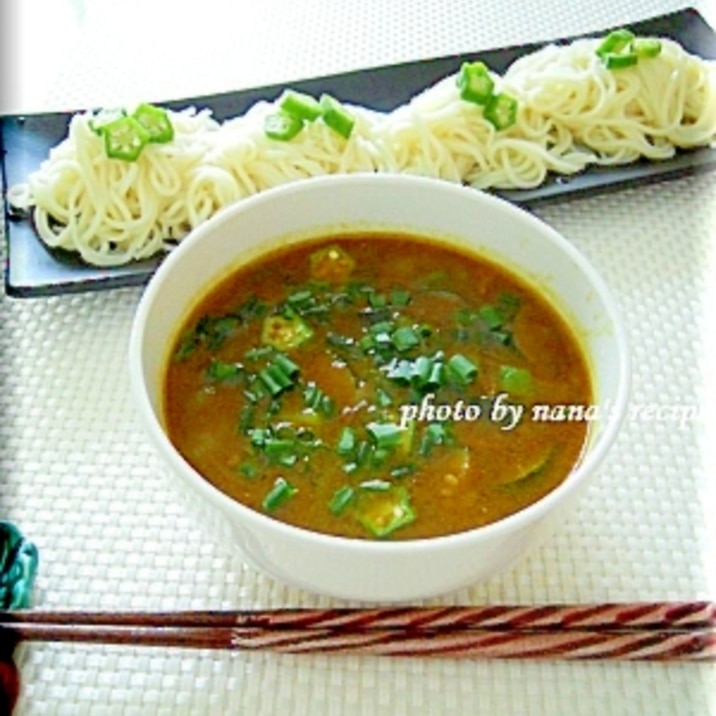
434	434
342	497
281	491
402	471
382	339
300	105
376	485
312	395
461	370
475	83
399	298
377	300
274	406
379	456
437	375
503	337
286	459
346	442
315	399
286	365
400	370
405	338
281	451
300	297
328	406
367	343
246	418
382	328
382	397
258	353
338	341
385	435
277	445
464	317
275	379
218	330
282	126
420	371
336	116
259	436
313	308
490	316
501	111
437	433
275	374
255	393
362	453
306	437
223	372
252	308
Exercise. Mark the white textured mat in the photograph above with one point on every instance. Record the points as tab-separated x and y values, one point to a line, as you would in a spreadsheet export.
79	478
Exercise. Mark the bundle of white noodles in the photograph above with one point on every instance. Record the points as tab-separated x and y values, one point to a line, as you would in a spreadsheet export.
109	211
440	135
242	160
647	110
572	112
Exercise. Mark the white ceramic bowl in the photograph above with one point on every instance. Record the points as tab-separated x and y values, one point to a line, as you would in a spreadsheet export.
361	569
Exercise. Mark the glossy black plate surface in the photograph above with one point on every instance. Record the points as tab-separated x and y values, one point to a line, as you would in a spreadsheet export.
34	270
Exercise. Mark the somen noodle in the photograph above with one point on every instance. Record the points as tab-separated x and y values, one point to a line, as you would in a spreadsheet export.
573	111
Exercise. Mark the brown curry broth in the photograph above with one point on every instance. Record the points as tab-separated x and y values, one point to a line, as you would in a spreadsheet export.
202	419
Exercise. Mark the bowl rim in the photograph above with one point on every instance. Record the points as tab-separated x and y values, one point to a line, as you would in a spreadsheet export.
530	514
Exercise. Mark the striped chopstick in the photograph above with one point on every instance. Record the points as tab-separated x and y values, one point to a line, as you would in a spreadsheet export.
666	631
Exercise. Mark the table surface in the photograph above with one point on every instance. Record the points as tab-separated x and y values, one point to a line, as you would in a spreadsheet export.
79	477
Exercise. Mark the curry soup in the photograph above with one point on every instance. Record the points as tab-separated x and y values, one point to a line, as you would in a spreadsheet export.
349	386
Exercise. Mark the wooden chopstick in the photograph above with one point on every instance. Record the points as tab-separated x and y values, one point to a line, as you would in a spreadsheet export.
642	631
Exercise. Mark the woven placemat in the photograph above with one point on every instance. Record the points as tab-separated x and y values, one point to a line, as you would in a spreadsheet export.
80	478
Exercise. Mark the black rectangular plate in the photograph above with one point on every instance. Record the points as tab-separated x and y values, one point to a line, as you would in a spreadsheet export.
34	270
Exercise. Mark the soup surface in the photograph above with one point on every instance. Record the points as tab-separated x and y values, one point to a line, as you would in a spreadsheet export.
378	387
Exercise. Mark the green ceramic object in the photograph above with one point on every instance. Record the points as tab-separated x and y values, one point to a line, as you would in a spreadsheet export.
18	566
